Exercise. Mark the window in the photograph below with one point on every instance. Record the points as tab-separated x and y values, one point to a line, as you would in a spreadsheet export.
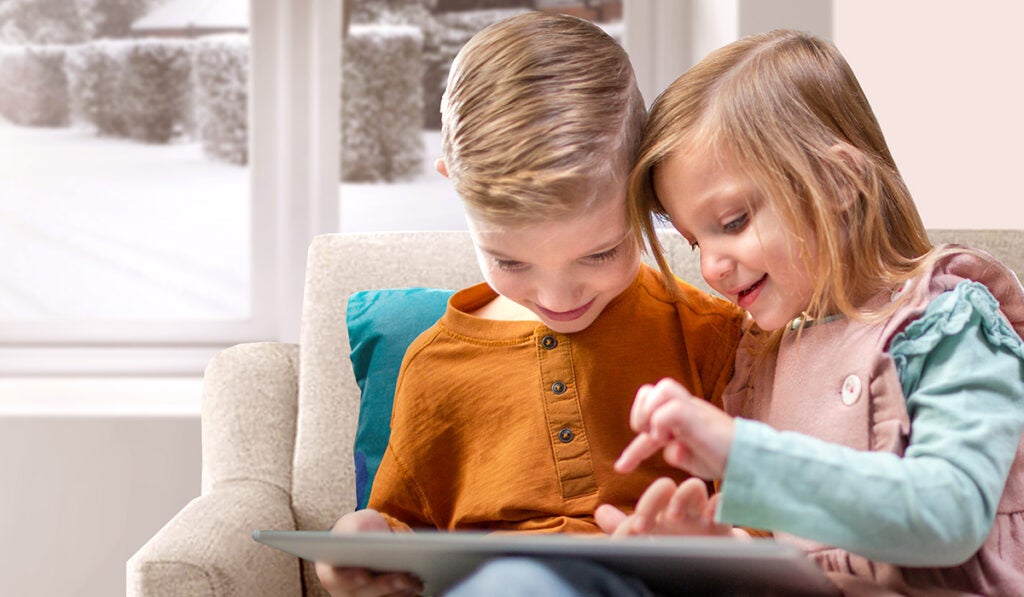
135	254
130	247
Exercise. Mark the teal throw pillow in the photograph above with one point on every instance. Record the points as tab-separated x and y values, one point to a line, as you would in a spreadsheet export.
381	325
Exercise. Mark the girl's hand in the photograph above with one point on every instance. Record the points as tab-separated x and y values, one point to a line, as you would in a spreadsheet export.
667	509
361	582
693	434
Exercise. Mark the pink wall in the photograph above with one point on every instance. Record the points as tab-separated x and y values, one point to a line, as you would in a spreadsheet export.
946	80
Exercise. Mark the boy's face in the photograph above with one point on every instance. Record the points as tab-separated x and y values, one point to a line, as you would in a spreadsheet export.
564	271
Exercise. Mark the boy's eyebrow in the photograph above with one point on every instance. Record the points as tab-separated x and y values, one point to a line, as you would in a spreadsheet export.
610	245
494	253
602	248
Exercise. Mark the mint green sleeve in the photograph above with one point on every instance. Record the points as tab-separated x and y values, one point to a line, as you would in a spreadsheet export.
962	369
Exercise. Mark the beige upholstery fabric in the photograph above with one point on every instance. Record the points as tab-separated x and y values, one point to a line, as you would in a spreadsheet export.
278	420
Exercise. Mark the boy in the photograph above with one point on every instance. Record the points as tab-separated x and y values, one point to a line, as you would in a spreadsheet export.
509	412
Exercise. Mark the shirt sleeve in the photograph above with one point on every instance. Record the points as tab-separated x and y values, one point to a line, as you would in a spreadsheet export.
396	496
962	369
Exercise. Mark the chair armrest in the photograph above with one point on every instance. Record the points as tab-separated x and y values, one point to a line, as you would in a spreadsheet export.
207	549
250	399
249	408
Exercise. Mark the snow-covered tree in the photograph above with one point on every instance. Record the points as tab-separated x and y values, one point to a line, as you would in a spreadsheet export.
40	22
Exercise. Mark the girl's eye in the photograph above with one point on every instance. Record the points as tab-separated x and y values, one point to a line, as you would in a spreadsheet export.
603	257
508	265
737	224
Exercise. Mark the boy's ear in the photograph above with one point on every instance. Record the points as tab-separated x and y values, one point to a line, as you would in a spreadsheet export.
441	167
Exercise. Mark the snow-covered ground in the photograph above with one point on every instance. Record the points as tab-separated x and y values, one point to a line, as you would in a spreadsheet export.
95	227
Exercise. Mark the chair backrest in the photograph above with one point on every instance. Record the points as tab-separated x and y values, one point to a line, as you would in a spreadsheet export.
323	482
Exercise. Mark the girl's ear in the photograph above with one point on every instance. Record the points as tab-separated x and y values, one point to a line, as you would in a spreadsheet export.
441	167
856	166
851	155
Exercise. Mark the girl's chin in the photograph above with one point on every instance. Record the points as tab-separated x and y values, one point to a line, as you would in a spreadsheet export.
770	323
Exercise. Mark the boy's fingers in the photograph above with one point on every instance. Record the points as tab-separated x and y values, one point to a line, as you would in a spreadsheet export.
389	583
393	584
343	581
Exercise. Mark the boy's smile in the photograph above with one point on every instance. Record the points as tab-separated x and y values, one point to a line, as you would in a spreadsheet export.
560	272
566	315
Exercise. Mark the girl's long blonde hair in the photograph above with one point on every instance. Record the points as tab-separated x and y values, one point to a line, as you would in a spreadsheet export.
788	111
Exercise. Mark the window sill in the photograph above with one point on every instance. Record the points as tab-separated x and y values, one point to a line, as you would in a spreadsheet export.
146	397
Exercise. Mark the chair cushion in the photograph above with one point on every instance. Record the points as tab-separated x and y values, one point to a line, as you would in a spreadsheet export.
381	325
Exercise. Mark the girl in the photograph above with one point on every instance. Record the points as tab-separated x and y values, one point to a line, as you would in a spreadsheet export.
879	393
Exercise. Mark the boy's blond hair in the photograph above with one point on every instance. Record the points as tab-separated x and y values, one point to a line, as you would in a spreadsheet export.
541	116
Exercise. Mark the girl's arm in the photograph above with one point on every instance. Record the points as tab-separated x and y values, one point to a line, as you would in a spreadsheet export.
932	507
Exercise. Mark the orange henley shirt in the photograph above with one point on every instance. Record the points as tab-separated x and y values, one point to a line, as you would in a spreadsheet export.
510	426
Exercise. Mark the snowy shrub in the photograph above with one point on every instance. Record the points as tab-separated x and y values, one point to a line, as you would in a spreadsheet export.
387	12
156	89
221	73
462	5
381	103
443	37
112	18
40	22
33	87
94	82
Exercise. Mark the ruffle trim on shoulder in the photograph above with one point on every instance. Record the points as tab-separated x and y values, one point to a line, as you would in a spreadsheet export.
948	315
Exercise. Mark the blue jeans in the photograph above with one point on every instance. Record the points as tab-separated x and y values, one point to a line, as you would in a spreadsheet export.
554	577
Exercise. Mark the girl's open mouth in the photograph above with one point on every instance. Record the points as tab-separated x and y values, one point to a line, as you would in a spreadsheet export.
747	297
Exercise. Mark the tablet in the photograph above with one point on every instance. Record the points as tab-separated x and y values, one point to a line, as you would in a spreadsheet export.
668	565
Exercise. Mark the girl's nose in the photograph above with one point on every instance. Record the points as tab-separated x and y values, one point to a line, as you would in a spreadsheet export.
715	265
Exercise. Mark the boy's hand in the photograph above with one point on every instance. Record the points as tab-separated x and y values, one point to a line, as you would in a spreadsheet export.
361	582
692	434
666	509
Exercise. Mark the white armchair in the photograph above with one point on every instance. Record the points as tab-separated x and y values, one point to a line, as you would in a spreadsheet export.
278	420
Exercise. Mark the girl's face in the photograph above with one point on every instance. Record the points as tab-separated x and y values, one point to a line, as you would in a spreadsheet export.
565	272
747	253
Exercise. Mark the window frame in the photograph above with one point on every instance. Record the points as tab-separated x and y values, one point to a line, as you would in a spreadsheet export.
294	168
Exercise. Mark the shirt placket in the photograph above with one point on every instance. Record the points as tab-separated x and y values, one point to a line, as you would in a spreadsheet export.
564	418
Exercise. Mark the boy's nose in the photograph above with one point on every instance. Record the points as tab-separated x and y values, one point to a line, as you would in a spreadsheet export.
561	296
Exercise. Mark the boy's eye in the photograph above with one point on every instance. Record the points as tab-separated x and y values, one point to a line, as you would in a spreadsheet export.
736	224
509	265
603	256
